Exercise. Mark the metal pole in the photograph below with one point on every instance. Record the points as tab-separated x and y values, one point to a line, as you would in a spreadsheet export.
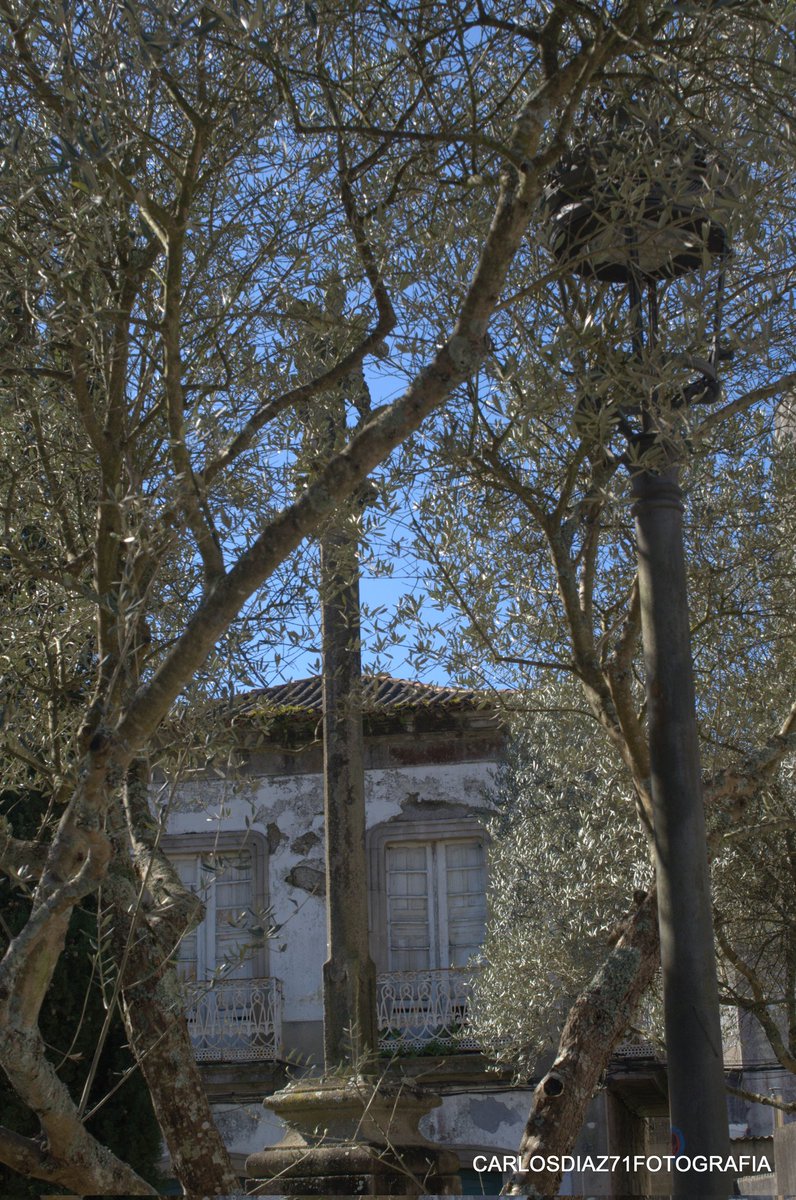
349	978
697	1091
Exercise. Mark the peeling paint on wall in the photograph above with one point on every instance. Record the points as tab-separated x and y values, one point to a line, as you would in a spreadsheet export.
309	875
306	842
282	798
490	1113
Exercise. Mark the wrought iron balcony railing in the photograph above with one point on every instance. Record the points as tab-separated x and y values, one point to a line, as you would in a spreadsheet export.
636	1050
239	1020
419	1011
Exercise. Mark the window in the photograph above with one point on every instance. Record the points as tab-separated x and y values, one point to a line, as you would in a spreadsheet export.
224	883
233	1008
227	873
436	903
427	893
428	912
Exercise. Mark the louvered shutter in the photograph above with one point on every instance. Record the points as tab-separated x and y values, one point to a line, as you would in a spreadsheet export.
409	908
436	903
465	894
224	883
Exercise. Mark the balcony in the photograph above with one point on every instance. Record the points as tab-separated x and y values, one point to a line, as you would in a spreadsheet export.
637	1050
238	1020
423	1011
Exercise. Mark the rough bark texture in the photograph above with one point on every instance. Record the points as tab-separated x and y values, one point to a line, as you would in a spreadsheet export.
35	1159
66	1153
596	1023
155	1020
153	1008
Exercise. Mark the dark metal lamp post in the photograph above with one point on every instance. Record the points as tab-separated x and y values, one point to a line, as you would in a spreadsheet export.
638	223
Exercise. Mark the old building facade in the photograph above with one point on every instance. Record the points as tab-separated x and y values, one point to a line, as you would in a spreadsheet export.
252	845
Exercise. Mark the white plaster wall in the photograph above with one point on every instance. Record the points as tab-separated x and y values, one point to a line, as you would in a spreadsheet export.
455	783
285	809
246	1128
294	804
492	1121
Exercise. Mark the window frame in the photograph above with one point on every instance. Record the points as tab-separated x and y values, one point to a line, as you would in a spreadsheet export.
397	832
197	845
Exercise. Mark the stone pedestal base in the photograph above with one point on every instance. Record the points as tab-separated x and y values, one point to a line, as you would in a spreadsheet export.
353	1138
350	1170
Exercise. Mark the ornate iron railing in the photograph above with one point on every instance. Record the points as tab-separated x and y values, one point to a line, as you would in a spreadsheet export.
238	1020
637	1045
636	1050
419	1011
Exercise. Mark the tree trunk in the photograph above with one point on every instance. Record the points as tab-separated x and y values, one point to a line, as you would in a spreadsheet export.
64	1153
158	1031
154	1017
595	1025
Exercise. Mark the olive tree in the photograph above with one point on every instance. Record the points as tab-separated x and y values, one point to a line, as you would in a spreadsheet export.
534	546
182	188
176	182
572	945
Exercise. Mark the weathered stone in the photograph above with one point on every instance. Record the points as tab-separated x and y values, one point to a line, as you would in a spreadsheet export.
310	876
358	1170
275	837
305	843
353	1137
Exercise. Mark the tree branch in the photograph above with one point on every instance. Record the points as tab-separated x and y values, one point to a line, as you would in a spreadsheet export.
787	1106
740	783
779	387
20	859
33	1160
596	1023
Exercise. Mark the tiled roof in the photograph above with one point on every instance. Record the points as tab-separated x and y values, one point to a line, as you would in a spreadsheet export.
379	693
